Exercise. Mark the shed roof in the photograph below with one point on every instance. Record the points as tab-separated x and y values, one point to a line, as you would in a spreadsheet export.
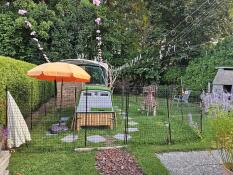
223	77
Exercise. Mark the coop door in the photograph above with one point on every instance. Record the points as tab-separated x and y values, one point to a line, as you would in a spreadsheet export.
227	88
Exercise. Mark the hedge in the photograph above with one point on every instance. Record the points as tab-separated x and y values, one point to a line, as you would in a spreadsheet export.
13	76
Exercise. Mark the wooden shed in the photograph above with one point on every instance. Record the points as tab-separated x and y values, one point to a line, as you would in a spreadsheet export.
223	81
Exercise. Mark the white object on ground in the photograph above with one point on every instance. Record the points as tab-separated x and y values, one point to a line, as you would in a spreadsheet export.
132	129
70	138
132	123
96	139
122	136
18	132
64	119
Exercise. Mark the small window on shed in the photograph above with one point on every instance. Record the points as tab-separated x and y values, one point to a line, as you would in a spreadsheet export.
227	88
104	94
87	94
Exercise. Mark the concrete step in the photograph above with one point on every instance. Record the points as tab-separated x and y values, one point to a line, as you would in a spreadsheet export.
4	162
6	172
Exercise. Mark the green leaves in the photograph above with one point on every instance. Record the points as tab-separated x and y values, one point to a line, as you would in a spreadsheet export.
13	75
203	69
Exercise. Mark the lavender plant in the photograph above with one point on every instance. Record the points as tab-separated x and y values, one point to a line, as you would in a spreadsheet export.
220	99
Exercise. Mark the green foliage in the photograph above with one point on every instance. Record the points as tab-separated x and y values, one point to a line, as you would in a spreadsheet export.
66	30
15	39
202	70
13	76
173	75
222	133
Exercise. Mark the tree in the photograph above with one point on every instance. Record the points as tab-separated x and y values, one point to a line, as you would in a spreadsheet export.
203	69
15	36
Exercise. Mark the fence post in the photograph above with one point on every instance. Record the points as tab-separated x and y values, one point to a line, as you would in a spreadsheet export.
122	99
6	119
44	100
168	117
31	105
85	135
201	117
126	117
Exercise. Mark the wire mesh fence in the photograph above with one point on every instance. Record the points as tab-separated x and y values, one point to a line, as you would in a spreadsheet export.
68	116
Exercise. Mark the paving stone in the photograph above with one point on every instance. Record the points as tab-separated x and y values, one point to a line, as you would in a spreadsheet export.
96	139
132	123
133	129
192	163
70	138
122	136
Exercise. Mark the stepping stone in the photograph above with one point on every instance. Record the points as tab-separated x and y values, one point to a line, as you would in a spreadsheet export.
122	136
70	138
123	113
132	123
96	139
129	118
132	129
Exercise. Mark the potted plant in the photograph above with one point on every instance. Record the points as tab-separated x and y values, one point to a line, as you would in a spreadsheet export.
1	138
222	136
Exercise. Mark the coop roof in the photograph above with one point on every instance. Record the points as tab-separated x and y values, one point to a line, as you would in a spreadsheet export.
101	88
224	76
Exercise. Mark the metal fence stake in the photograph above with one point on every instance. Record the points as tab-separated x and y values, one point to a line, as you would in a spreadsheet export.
31	105
168	116
201	117
85	135
6	119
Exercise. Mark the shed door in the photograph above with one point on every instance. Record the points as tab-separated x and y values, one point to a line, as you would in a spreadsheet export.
227	88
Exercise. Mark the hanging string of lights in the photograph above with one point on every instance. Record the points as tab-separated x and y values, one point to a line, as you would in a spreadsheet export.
28	25
98	22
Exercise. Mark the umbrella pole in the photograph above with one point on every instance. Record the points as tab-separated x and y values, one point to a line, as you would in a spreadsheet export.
55	97
61	98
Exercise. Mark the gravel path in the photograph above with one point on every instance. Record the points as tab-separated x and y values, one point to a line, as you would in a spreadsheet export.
192	163
117	162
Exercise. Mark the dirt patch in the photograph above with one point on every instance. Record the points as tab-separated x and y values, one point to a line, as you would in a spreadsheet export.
117	162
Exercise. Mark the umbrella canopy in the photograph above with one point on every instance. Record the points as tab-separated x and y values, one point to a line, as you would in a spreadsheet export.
57	71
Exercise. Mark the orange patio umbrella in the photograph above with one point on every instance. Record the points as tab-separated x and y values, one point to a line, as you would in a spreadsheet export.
62	72
57	71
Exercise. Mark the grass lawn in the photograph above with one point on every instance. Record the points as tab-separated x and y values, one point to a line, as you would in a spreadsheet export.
54	163
151	138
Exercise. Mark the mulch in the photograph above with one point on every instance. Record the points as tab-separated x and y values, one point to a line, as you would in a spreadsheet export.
116	162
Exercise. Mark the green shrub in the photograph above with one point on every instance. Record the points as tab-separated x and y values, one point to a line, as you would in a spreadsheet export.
222	135
203	69
13	76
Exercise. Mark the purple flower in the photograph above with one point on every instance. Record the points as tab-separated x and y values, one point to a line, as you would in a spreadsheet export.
96	2
98	21
5	133
22	12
